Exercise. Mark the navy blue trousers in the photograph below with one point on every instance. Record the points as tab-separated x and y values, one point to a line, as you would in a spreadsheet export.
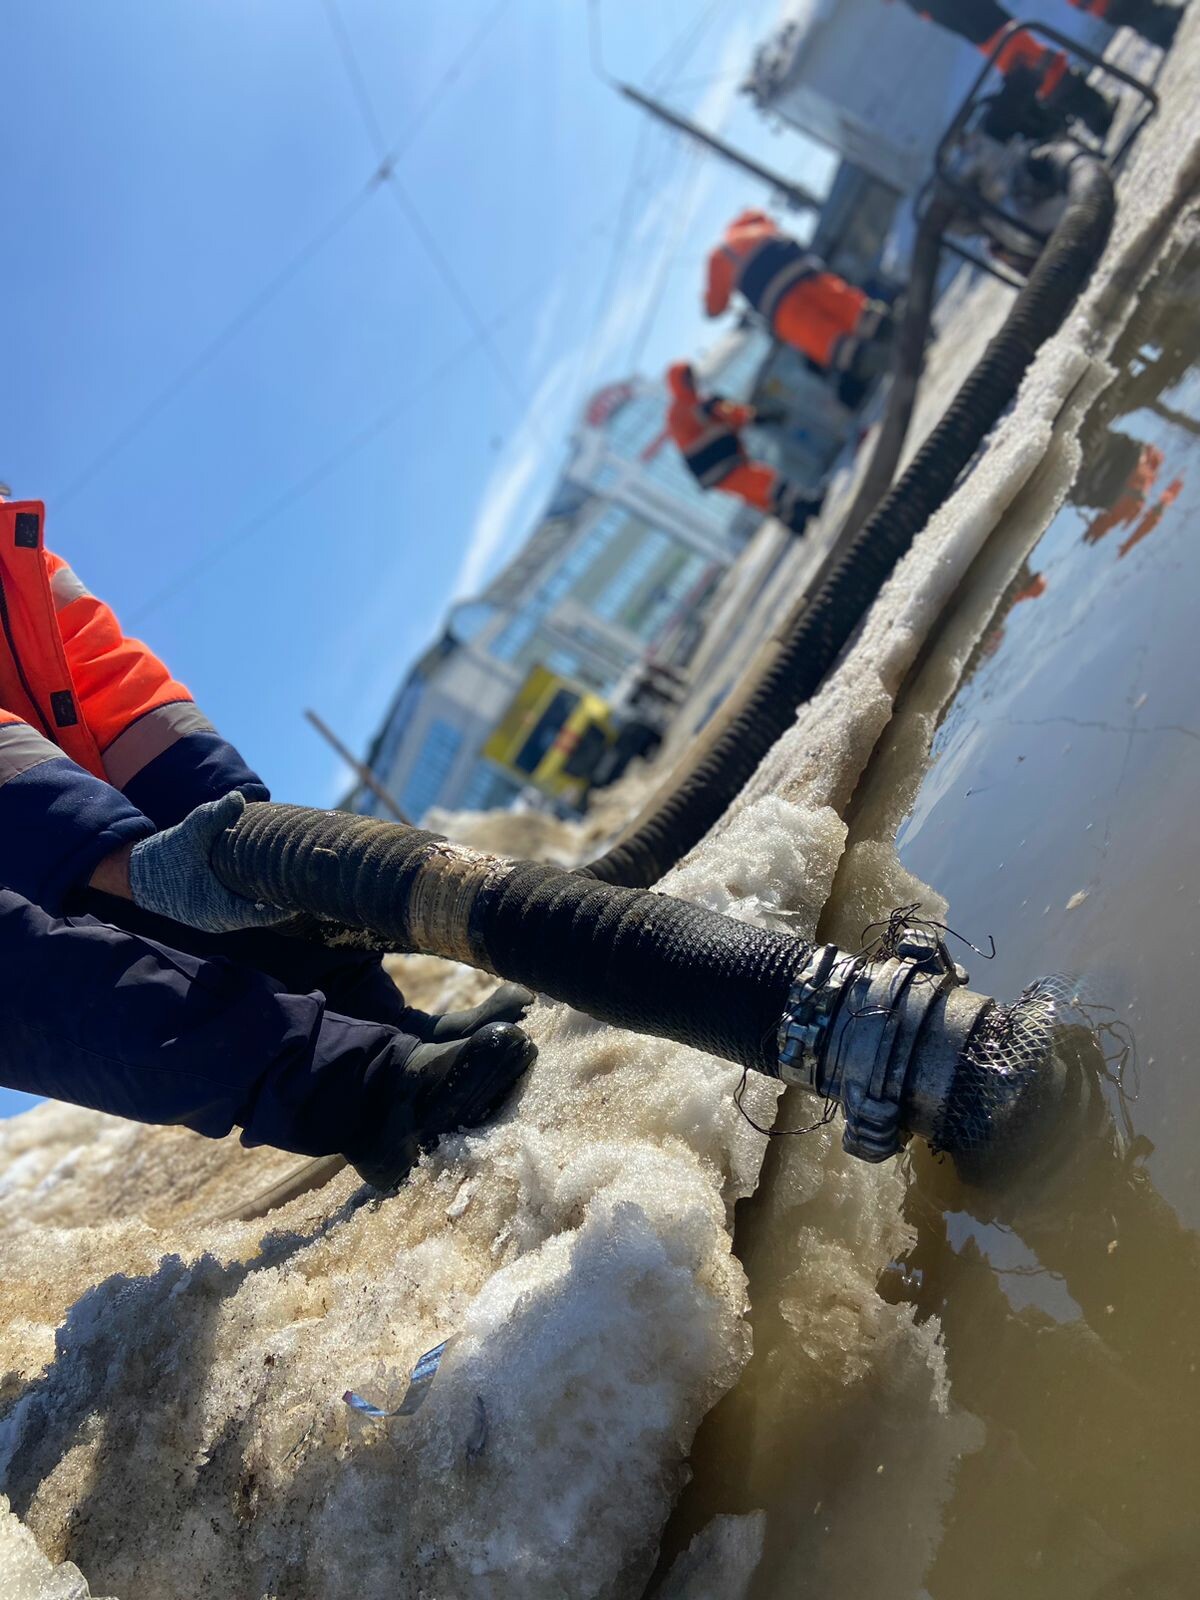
299	1046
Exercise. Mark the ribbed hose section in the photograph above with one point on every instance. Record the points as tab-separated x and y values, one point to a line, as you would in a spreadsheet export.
644	961
908	357
352	871
822	624
641	961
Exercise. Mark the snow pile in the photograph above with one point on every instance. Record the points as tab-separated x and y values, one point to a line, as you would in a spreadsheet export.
25	1574
172	1418
189	1433
719	1562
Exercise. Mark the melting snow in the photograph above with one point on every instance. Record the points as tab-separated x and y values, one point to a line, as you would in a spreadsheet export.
173	1420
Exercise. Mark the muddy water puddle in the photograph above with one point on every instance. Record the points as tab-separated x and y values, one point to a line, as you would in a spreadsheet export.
1042	778
1059	815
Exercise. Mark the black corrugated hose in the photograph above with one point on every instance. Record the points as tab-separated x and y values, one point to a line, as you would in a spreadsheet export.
823	622
908	357
639	960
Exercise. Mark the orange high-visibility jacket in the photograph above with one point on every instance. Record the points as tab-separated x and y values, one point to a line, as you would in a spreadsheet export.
706	430
99	745
760	262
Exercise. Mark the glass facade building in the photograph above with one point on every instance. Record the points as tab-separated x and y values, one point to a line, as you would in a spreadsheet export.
611	576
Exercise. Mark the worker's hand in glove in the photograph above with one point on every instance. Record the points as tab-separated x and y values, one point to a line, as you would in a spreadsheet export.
171	875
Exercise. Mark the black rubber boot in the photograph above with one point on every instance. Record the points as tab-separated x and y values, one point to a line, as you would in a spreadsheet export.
508	1003
1156	22
441	1087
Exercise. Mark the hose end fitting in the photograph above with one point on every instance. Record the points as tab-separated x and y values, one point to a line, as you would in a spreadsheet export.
883	1038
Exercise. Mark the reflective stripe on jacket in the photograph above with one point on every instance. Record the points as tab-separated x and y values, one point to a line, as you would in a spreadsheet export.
713	455
99	745
759	262
767	272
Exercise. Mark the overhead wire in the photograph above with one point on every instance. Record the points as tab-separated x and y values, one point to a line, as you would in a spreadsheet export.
662	273
262	298
589	351
220	341
409	208
481	335
237	537
670	62
684	47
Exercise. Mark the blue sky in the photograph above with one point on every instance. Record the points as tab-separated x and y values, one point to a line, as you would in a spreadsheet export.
287	525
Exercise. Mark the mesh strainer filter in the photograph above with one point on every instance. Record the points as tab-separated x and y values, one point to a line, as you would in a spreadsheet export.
906	1048
1008	1078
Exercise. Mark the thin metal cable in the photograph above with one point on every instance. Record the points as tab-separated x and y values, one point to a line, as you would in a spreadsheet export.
259	301
220	341
413	395
409	208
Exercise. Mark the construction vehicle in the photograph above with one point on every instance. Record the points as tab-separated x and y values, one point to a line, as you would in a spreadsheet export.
564	740
552	736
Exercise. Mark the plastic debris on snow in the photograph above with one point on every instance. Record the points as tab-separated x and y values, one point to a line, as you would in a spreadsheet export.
419	1381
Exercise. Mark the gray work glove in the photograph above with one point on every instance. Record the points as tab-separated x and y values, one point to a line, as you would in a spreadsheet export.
170	874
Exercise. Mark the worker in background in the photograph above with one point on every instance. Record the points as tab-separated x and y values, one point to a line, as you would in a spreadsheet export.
134	981
1055	88
706	428
836	326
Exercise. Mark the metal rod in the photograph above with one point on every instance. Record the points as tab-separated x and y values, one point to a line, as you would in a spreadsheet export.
799	198
361	771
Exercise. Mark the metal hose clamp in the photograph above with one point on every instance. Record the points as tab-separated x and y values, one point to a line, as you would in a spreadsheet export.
881	1037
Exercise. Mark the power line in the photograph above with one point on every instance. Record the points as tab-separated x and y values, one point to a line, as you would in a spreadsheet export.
450	76
586	366
662	275
253	307
683	45
239	535
709	81
408	206
671	61
455	288
304	486
358	84
259	301
686	46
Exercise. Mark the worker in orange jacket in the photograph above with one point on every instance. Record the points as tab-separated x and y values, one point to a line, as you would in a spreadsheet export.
134	981
1155	20
706	429
805	305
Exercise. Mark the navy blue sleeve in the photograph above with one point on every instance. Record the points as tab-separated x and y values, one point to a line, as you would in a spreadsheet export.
199	767
57	822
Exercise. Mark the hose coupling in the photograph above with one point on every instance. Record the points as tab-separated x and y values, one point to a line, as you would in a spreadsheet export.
883	1037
